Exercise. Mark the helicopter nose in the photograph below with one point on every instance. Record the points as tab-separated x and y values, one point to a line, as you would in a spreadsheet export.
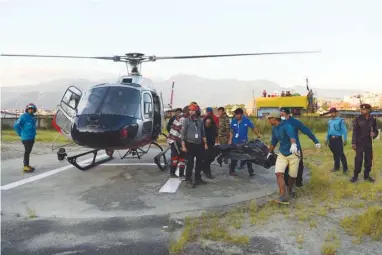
105	133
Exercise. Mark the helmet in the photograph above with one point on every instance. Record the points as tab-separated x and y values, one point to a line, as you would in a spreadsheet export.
31	106
193	107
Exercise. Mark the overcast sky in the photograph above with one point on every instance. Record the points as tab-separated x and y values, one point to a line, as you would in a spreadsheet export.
349	33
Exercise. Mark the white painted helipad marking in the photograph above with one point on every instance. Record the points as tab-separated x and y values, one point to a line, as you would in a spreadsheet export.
44	175
128	164
170	186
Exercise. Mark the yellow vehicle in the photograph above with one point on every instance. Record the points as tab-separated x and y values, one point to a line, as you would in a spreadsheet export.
297	104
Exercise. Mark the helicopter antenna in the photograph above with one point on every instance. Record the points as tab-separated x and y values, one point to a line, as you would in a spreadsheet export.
134	60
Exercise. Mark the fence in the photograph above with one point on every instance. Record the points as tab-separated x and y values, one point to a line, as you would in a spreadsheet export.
316	124
43	122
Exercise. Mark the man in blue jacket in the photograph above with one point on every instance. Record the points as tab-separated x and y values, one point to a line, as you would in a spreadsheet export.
284	134
336	138
297	125
25	127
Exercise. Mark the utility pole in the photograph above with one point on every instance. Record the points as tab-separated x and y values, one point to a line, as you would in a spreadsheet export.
253	102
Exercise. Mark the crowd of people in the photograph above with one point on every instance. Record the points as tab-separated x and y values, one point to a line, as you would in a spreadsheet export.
192	139
276	94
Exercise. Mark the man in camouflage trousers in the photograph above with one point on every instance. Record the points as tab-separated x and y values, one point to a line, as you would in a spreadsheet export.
224	128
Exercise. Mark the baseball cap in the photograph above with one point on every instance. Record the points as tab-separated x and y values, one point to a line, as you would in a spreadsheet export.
274	115
239	111
209	109
366	106
332	110
285	110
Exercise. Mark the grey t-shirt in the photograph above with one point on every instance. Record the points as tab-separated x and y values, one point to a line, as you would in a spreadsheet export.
193	130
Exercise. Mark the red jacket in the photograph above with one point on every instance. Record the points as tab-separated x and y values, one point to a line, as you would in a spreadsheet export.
216	119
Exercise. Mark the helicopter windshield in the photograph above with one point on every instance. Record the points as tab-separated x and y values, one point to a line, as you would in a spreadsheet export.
111	101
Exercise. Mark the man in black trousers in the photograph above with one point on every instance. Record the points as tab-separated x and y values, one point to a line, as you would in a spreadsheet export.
365	130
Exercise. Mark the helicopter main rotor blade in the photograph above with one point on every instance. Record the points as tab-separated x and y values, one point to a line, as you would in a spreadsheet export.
235	55
116	58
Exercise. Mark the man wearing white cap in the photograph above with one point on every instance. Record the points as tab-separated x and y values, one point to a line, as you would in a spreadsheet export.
284	134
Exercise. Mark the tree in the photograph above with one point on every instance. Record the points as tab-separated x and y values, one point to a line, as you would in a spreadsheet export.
325	106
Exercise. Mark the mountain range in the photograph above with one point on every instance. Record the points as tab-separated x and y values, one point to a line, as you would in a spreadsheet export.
207	92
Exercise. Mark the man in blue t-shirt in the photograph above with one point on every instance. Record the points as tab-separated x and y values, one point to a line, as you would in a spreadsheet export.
297	126
284	134
239	134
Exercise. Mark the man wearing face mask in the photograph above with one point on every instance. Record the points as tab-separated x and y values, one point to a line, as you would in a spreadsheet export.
297	126
284	134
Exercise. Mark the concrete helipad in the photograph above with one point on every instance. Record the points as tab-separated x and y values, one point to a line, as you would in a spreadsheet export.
120	189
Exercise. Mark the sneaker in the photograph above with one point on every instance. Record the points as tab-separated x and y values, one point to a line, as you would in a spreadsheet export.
282	200
369	179
354	179
28	169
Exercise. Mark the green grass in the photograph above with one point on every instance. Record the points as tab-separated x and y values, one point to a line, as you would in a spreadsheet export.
325	193
46	136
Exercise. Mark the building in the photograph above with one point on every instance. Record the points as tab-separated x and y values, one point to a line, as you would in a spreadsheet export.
297	104
374	99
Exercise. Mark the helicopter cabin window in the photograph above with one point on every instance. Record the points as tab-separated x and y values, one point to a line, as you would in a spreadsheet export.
111	101
147	105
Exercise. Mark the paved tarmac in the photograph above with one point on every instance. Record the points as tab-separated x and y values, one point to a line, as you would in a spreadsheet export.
115	208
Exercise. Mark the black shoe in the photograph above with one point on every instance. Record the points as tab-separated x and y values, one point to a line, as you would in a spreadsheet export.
172	175
190	184
251	174
354	179
209	176
299	184
200	182
369	179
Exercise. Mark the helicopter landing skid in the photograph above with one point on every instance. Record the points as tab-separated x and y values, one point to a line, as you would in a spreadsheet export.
139	152
61	155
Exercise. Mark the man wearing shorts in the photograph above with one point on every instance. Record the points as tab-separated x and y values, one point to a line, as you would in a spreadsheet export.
284	134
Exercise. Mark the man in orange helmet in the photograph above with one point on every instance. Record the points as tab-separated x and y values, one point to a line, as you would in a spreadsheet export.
193	137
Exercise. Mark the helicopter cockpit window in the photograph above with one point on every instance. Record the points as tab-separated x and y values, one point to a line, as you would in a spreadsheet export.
122	101
91	100
111	101
147	105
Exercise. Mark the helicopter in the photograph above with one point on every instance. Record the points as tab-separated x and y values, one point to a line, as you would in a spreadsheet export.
122	115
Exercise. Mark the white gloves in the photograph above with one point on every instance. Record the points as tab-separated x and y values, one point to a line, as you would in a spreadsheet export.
318	146
293	148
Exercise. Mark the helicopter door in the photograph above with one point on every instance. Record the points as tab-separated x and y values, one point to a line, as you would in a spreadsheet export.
147	114
67	110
